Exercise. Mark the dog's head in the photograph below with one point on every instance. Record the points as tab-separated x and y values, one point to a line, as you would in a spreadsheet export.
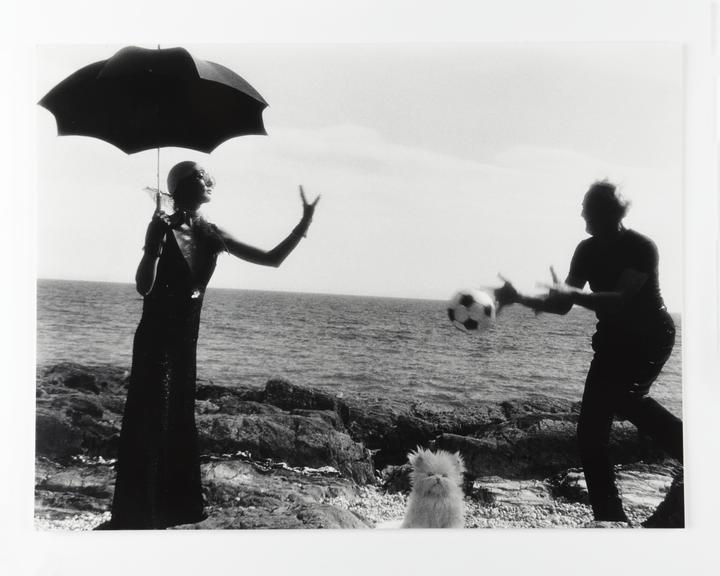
435	473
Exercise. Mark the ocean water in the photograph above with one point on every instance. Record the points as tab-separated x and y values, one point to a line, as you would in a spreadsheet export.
386	347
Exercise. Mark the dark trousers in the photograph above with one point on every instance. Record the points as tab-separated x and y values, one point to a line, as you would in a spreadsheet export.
621	373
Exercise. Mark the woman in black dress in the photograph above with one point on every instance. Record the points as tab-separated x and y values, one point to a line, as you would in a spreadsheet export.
158	468
633	339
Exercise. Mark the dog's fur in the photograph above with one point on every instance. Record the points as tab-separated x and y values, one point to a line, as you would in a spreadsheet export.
436	498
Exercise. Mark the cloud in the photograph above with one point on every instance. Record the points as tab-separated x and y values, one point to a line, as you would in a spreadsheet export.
435	172
394	219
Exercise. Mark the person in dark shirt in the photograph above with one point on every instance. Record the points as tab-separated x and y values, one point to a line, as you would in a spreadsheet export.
633	339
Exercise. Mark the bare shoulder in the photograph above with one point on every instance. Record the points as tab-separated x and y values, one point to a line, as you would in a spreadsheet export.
218	230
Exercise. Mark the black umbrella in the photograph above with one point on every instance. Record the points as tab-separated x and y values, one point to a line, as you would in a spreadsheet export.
141	99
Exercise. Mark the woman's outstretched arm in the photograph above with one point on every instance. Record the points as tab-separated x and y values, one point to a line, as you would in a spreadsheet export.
277	255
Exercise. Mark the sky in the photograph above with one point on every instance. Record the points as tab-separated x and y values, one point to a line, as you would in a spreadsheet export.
439	165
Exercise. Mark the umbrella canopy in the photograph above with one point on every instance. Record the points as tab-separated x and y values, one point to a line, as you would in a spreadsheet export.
141	99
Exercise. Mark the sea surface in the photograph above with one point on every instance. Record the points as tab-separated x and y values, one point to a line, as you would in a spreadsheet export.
388	347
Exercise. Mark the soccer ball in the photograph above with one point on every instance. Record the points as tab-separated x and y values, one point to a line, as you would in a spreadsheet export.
471	310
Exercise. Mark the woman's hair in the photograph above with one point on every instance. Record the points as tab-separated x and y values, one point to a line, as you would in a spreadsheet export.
604	197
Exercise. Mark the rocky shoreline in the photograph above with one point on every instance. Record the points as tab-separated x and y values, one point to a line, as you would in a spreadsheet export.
285	456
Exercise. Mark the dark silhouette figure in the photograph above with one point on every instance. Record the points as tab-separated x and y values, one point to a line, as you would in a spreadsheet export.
158	468
634	338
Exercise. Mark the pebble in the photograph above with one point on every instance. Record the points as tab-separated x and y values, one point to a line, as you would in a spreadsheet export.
377	506
75	522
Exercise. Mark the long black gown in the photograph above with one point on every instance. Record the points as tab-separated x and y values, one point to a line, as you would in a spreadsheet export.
158	468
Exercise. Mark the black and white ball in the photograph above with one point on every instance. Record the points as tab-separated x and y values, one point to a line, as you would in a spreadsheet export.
471	310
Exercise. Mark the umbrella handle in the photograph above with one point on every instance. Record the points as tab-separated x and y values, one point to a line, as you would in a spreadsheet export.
158	178
158	168
158	195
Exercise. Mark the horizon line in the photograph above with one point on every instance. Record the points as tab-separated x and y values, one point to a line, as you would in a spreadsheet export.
339	294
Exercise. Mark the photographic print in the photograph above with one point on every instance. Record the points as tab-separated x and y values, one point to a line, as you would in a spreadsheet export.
364	286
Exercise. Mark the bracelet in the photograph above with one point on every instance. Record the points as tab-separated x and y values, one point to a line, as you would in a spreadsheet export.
301	229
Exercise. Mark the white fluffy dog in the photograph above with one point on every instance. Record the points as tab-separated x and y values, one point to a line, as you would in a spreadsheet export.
436	499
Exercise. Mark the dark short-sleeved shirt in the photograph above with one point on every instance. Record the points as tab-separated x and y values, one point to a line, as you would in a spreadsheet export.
602	265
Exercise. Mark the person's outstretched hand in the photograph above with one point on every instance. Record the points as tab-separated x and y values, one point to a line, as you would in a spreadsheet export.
560	294
308	207
506	294
558	290
308	210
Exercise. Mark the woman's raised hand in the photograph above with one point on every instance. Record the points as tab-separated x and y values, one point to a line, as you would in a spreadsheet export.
308	207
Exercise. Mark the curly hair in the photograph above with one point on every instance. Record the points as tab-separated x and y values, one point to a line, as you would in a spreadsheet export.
604	196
